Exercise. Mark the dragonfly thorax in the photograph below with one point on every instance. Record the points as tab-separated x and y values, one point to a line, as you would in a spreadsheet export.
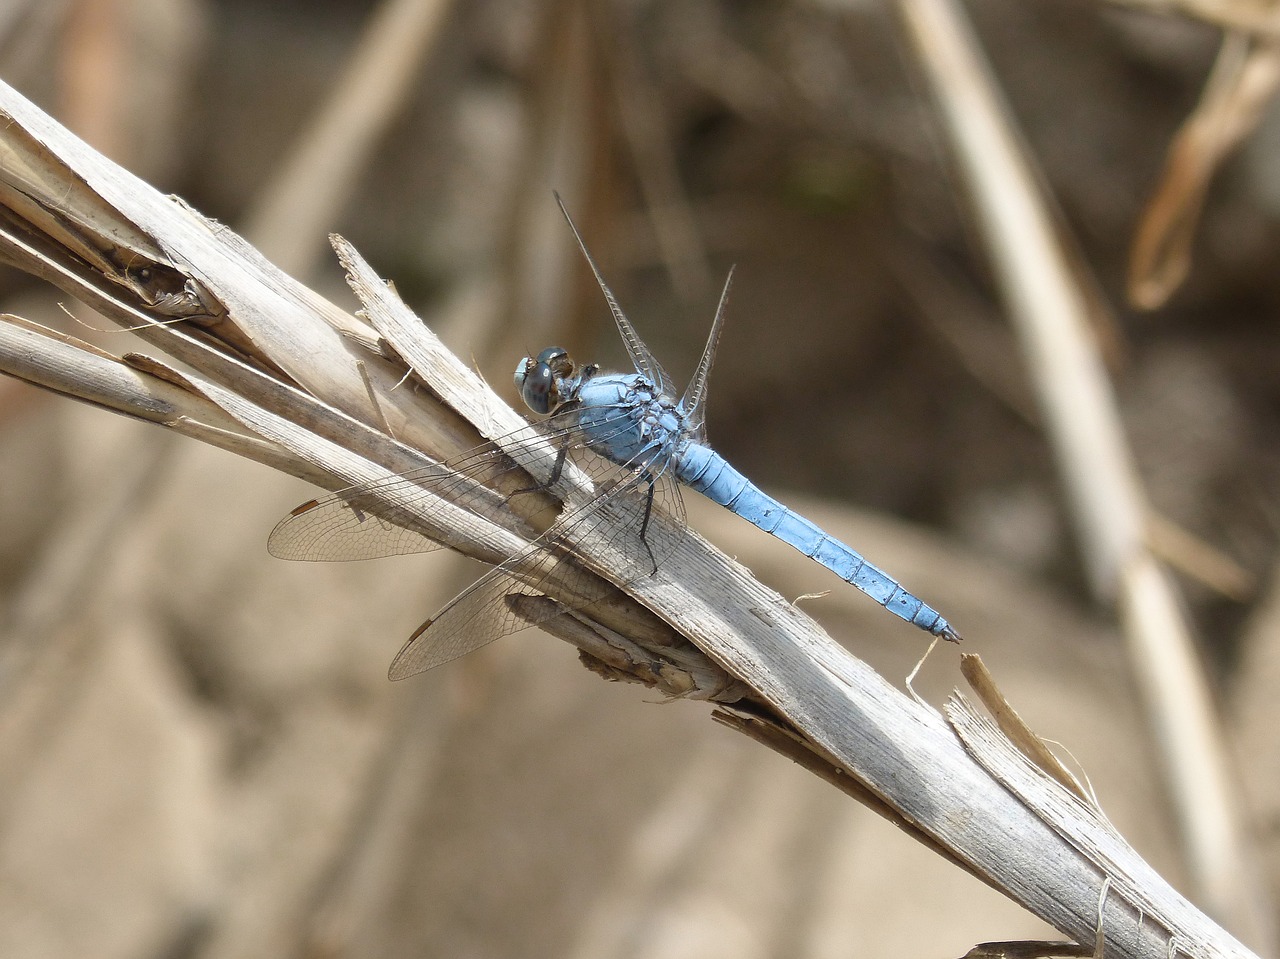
622	416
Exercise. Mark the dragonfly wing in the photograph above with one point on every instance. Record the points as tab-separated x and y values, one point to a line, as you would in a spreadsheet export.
337	528
610	525
642	357
634	523
364	522
480	613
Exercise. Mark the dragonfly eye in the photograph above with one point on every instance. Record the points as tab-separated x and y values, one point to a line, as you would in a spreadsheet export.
537	385
558	359
541	381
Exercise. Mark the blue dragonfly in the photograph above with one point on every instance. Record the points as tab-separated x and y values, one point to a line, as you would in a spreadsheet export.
619	447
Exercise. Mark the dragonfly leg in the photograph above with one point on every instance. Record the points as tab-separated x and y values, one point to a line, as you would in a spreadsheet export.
651	480
556	469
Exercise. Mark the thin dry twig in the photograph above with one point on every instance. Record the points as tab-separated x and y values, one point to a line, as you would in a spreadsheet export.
1242	85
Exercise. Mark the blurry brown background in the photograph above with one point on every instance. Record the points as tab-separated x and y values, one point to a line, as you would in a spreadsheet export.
199	753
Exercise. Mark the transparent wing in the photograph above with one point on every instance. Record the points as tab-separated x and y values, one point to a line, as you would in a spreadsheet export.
695	397
357	523
614	519
642	357
611	525
338	527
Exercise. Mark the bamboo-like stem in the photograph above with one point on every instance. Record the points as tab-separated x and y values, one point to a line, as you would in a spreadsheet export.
1050	315
251	336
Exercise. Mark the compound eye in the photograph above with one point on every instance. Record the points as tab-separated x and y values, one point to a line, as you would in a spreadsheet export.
558	360
536	383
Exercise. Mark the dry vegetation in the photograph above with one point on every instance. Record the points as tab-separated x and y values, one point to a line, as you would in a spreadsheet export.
199	753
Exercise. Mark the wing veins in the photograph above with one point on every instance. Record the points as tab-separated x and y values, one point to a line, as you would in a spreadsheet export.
479	614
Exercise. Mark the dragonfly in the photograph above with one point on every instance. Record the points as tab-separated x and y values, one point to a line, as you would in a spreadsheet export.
619	446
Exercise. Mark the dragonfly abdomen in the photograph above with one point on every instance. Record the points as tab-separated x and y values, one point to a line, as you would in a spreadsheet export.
703	469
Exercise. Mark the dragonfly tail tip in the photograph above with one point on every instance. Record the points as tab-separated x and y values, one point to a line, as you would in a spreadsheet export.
949	634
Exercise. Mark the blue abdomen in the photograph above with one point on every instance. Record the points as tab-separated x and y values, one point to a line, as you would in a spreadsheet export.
706	471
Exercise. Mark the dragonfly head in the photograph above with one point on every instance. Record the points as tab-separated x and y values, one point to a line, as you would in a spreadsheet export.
551	380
